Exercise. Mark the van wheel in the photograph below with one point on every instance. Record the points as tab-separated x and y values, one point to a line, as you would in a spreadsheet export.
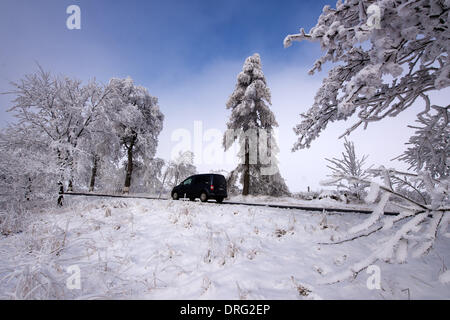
175	196
219	199
203	197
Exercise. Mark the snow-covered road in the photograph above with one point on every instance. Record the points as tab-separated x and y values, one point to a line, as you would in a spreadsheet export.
263	201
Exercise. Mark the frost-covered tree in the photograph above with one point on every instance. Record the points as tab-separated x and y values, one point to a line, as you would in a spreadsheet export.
387	55
232	187
148	176
137	122
349	164
183	166
61	109
178	169
99	149
252	122
153	175
27	174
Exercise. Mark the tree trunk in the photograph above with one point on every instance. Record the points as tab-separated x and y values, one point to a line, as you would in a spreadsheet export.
61	192
93	173
69	162
177	174
126	187
246	187
60	184
162	184
70	186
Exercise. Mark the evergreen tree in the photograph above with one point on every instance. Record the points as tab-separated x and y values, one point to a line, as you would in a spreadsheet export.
352	166
252	122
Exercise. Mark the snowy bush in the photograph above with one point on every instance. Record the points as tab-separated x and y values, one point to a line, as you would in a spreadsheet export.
177	170
329	194
26	177
306	195
349	165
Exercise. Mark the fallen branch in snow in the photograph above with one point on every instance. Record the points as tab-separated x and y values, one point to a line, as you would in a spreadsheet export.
386	225
353	238
384	252
408	233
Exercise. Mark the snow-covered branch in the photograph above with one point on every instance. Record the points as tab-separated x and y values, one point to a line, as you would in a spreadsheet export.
408	235
409	44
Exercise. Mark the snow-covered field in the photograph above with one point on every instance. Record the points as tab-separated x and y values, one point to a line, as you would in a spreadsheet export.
158	249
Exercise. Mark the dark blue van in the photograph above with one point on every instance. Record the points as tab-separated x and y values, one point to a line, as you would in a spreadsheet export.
203	186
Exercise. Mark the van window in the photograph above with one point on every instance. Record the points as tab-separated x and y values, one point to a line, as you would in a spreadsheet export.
203	179
187	181
219	180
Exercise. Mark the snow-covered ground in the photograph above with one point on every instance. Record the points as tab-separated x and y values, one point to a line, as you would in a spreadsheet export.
165	249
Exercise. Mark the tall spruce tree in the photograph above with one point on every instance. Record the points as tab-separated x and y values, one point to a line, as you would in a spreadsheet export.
252	122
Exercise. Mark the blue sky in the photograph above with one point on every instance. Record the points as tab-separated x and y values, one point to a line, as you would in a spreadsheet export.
164	41
188	54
